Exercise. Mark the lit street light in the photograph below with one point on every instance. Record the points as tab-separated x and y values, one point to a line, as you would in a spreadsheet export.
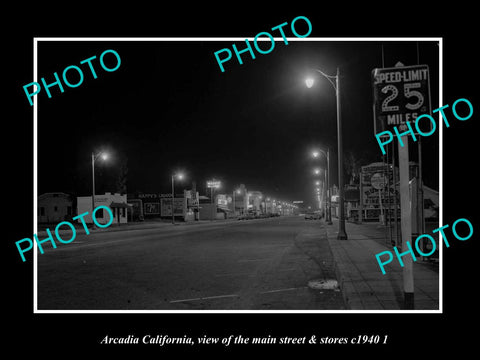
103	156
328	204
309	82
238	191
179	176
265	202
342	235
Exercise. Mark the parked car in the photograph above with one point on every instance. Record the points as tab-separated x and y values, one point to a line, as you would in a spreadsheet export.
314	215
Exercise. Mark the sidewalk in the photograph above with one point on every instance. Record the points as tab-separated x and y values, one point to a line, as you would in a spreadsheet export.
363	285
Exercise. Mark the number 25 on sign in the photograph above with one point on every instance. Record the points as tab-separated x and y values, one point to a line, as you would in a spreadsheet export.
401	94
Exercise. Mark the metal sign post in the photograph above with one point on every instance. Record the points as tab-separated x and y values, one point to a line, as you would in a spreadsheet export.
406	224
401	94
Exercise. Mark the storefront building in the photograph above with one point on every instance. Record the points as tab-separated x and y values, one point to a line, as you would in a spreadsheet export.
116	202
377	197
153	205
54	207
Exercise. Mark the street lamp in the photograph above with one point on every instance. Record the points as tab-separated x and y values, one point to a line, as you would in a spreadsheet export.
238	191
309	82
342	235
328	204
316	171
179	176
103	156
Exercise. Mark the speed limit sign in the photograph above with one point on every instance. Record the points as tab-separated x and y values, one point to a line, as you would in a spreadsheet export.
400	94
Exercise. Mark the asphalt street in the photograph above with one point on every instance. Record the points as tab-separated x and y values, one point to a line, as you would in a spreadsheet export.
263	264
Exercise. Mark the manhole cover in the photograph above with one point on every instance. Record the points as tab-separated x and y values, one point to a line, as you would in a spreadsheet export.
324	284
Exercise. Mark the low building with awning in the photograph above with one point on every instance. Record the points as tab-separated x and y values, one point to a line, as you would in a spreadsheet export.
116	202
120	211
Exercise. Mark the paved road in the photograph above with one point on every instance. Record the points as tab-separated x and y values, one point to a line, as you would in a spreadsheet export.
263	264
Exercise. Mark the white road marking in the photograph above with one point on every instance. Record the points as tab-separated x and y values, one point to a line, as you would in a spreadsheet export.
204	298
281	290
235	295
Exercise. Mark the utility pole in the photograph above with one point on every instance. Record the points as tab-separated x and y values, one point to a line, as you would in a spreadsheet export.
329	196
173	196
93	185
342	235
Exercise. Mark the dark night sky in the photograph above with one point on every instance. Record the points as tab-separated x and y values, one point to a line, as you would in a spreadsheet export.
170	107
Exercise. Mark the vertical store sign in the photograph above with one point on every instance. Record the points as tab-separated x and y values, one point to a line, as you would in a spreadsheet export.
400	94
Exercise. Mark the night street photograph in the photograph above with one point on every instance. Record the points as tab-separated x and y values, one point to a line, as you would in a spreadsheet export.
259	188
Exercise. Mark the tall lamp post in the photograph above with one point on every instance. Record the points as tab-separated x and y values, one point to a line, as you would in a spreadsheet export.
103	156
318	197
315	154
238	191
317	190
342	235
179	176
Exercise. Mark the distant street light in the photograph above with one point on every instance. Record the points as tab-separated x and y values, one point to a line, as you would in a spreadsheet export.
328	204
316	171
179	176
238	191
104	156
342	235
